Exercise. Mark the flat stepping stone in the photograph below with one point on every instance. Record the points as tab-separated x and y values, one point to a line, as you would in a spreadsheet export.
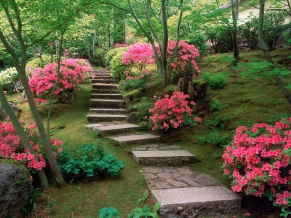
101	80
108	91
106	95
93	125
136	139
105	86
102	76
108	111
115	103
105	117
196	201
110	129
165	157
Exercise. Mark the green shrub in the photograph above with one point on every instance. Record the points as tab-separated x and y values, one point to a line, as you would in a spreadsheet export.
9	79
220	37
109	55
273	28
215	80
141	80
99	56
199	40
36	62
89	161
117	66
144	105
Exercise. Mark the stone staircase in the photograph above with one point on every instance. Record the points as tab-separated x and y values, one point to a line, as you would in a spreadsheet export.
182	193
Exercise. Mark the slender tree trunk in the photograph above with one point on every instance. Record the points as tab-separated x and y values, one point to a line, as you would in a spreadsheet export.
235	5
20	132
177	42
262	45
94	36
165	43
119	27
42	133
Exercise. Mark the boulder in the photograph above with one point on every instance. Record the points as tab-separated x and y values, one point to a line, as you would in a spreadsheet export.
4	115
134	117
15	188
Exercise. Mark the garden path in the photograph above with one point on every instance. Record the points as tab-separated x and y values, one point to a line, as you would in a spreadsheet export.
181	192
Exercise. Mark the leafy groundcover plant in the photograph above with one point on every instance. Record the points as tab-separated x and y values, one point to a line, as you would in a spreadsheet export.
89	161
172	112
258	162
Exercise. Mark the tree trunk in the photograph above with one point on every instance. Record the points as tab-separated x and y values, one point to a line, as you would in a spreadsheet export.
119	27
235	4
165	44
20	132
177	42
42	133
262	45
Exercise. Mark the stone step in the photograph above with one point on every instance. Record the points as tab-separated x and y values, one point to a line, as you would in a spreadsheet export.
106	81
108	111
136	139
92	125
105	86
166	157
111	129
105	95
105	117
101	71
102	77
108	91
196	201
101	103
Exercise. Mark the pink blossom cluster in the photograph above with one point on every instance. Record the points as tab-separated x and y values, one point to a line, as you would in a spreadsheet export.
139	53
186	53
171	112
10	146
117	45
43	80
258	161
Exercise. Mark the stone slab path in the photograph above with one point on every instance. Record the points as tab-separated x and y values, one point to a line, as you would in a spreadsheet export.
183	193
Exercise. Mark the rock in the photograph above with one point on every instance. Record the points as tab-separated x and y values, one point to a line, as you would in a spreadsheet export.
15	188
134	117
4	115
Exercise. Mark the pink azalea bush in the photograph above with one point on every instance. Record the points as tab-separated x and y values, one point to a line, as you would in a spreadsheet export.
185	54
258	161
11	147
140	54
185	60
43	80
172	112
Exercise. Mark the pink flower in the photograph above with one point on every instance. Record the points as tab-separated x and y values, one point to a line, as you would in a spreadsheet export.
247	214
198	119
